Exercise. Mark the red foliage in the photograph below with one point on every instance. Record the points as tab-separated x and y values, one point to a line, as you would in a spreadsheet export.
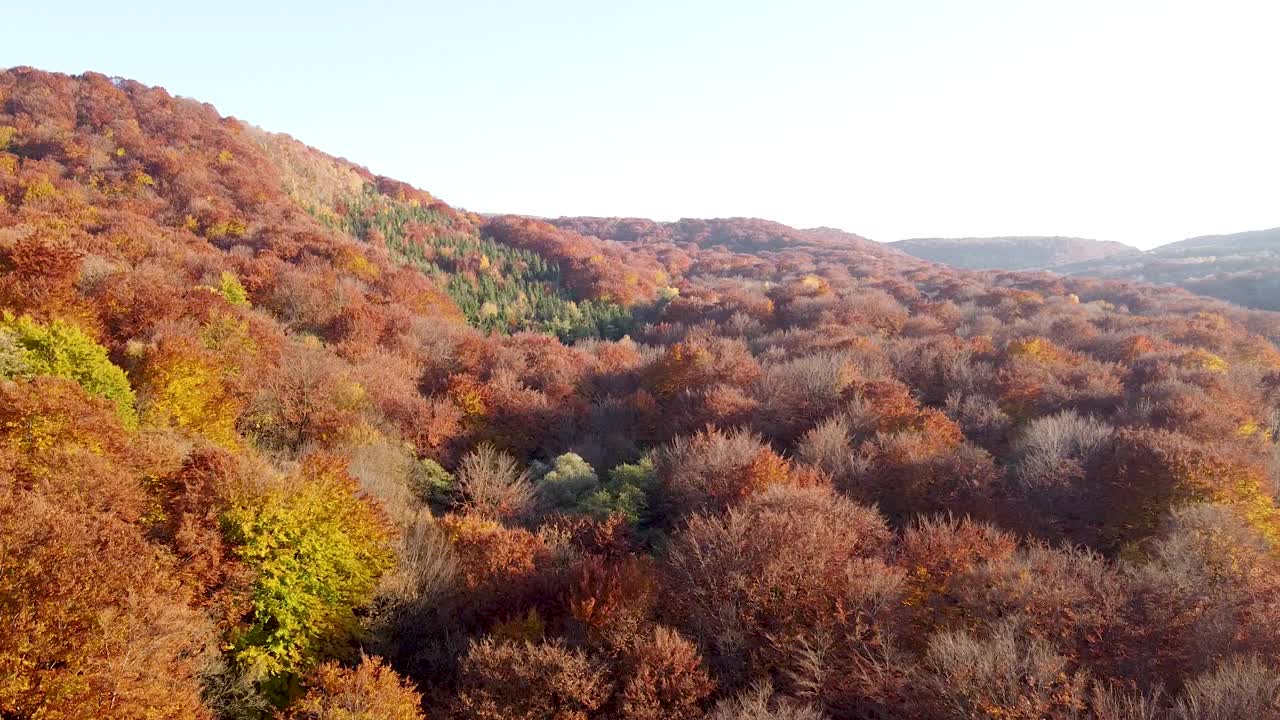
665	679
612	600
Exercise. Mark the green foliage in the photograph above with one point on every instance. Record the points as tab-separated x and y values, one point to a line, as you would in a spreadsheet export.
230	288
567	482
60	349
434	485
626	492
13	357
498	287
317	550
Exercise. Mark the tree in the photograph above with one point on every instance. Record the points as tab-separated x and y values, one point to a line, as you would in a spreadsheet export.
796	394
625	493
713	470
567	483
665	679
611	600
1241	687
66	444
95	624
317	549
93	613
1152	472
432	484
760	703
369	691
530	681
63	350
788	572
497	565
185	386
492	484
230	288
1204	587
1070	598
312	398
936	553
1005	675
1055	471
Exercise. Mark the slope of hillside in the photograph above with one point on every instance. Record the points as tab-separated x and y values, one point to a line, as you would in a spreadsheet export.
1243	268
280	437
1011	253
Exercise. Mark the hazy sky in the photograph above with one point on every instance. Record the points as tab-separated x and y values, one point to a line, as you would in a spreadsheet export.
1144	122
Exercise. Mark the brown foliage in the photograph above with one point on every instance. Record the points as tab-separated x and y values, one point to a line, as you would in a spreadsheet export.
528	681
1070	599
492	484
789	568
1204	589
1006	675
935	553
612	600
713	470
665	679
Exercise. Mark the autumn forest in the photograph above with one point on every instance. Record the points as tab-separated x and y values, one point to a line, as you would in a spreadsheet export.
282	437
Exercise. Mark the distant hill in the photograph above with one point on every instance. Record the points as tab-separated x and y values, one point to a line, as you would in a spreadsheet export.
1012	253
1243	268
745	235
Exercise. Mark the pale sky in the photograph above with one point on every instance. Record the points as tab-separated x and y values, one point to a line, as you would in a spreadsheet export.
1132	120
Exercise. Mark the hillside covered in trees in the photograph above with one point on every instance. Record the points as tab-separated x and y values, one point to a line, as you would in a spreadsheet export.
1012	253
280	437
1242	268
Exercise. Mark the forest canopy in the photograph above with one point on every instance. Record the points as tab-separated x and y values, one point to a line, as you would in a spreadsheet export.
280	437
